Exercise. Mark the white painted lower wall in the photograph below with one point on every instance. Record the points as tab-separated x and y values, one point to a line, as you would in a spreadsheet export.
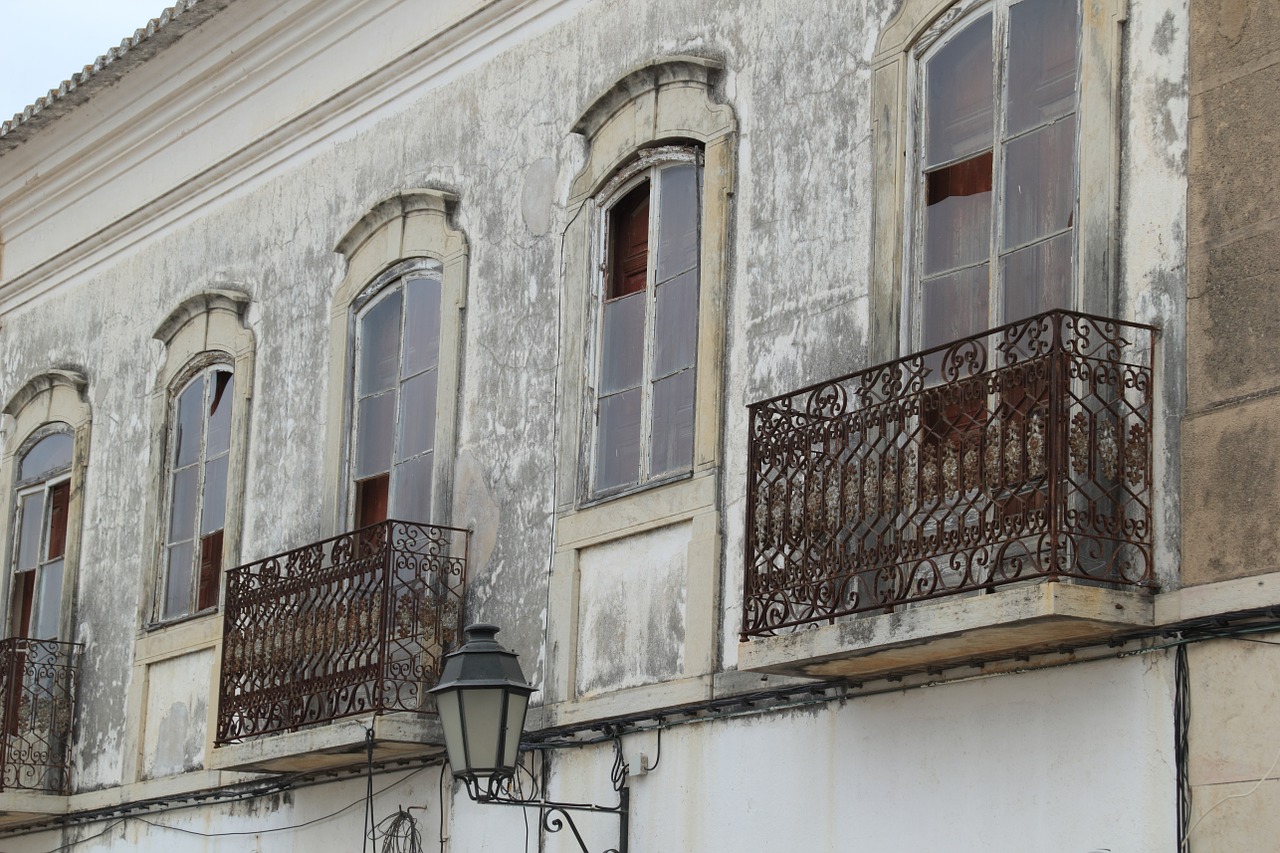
1074	759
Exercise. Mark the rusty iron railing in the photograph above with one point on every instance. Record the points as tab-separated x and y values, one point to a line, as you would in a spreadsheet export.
1018	454
355	624
38	690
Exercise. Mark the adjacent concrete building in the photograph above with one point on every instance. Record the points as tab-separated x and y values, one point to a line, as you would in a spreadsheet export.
856	416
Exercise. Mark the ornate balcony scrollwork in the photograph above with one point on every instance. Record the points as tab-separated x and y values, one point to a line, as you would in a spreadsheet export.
1021	453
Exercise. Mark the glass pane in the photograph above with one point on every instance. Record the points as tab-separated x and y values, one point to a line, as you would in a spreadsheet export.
51	453
672	424
618	443
622	344
187	424
482	712
677	220
213	508
957	215
1040	183
959	95
182	504
29	539
59	501
412	499
1038	278
422	325
629	243
418	415
955	306
48	604
380	346
178	581
1042	61
675	329
375	428
517	709
219	438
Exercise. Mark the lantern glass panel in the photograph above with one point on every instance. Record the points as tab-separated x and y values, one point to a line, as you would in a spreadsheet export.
482	718
517	704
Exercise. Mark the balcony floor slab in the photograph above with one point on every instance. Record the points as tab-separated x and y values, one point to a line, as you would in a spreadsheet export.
19	807
335	745
1028	618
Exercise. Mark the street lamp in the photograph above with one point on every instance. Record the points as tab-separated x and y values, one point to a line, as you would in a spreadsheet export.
482	698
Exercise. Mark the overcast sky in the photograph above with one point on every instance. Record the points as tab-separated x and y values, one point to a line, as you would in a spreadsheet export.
45	43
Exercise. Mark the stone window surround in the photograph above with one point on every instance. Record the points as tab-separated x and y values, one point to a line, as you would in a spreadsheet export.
412	224
205	329
55	398
894	97
669	100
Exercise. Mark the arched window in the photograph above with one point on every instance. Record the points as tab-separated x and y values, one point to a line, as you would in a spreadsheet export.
396	336
395	380
648	320
199	456
42	504
43	470
996	184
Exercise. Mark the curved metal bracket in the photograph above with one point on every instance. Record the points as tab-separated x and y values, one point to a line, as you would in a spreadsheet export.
553	815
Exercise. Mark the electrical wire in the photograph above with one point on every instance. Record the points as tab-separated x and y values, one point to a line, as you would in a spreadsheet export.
398	833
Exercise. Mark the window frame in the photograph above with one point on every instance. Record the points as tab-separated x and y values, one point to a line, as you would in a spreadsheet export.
894	102
395	277
648	164
958	18
200	370
407	228
42	483
50	403
204	331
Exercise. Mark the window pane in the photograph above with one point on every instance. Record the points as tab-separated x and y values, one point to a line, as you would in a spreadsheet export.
622	343
618	443
187	424
374	430
675	328
213	508
955	306
672	424
48	605
219	438
959	92
210	579
629	243
1038	278
371	500
412	499
178	579
957	216
59	499
422	325
182	506
418	415
380	345
1040	185
51	453
29	539
677	220
1042	61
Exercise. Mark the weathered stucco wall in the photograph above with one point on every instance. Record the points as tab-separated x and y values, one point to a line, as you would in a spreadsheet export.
1231	483
494	129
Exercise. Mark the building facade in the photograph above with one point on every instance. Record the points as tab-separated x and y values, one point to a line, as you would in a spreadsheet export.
856	416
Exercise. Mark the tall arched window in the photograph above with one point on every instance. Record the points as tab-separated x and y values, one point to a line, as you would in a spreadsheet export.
995	195
42	510
199	454
396	381
648	320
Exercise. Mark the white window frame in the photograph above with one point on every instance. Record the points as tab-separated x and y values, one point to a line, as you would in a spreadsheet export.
645	168
393	279
201	371
957	19
44	482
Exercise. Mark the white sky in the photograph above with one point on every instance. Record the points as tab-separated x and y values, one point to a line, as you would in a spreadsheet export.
45	43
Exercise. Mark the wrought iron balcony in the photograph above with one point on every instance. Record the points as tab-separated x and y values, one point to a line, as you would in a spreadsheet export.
1021	454
355	624
38	689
